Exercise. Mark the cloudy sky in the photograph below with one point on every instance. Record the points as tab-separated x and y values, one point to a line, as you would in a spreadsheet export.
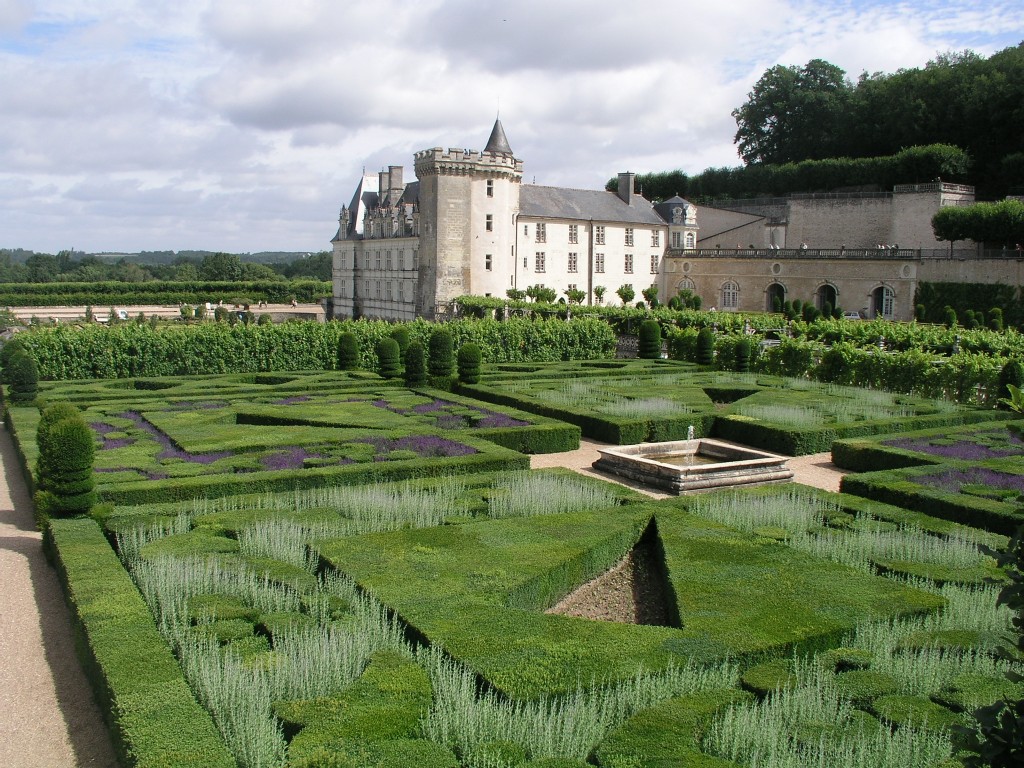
243	125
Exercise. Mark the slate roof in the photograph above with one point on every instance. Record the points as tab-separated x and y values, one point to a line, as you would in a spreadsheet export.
584	204
498	142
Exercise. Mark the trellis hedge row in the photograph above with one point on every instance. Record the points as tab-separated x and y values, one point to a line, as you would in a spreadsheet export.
153	716
130	349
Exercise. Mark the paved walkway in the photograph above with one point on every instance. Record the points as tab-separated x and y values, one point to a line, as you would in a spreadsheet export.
48	718
816	470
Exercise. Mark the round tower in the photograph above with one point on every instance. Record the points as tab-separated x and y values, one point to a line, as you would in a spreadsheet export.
468	204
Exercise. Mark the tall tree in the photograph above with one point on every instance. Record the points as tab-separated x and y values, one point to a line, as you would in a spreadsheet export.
221	266
794	113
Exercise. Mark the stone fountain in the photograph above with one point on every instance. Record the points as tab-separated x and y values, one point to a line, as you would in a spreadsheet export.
682	466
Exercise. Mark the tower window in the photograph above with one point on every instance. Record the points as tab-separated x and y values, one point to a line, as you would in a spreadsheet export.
490	187
488	262
489	222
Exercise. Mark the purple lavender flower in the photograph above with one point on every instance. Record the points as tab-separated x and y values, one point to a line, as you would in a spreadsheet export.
431	407
170	449
953	480
449	421
102	428
117	442
964	450
292	457
423	445
292	400
500	421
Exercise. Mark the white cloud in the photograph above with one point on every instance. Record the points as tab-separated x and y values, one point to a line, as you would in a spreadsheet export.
244	124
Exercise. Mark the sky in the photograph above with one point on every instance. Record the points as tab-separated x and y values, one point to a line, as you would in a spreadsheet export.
245	125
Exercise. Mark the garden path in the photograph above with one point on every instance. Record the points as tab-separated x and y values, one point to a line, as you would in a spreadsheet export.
816	470
48	718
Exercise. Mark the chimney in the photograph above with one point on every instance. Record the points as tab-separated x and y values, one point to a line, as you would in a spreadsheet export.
626	182
394	178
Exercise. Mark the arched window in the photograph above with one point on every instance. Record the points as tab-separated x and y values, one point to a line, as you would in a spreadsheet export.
883	301
691	240
730	295
686	284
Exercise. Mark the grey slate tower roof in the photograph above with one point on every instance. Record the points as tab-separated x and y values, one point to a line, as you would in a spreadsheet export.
497	142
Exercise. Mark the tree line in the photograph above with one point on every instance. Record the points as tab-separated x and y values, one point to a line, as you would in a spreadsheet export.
815	113
73	267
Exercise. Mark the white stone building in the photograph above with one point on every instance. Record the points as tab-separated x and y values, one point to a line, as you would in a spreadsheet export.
468	225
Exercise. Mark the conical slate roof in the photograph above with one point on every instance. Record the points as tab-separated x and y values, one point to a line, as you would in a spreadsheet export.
498	143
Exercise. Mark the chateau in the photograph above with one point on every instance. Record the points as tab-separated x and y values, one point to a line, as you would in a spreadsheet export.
469	225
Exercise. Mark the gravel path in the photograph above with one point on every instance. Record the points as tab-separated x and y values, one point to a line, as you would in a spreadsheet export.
48	718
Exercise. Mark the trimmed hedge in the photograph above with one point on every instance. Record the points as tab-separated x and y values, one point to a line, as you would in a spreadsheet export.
162	292
870	455
154	719
898	488
793	441
387	702
182	488
669	733
603	427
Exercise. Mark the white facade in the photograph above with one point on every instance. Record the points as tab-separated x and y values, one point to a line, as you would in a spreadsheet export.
469	226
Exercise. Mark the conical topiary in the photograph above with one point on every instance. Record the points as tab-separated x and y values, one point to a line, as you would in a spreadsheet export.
650	340
388	358
401	334
415	365
469	363
66	451
744	348
23	376
348	352
706	346
442	353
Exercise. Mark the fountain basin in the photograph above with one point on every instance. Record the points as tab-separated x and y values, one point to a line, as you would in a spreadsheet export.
681	466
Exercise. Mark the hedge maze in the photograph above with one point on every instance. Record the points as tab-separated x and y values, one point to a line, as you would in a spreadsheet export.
328	568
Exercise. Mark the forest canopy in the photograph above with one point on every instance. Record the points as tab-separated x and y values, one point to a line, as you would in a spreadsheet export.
814	112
